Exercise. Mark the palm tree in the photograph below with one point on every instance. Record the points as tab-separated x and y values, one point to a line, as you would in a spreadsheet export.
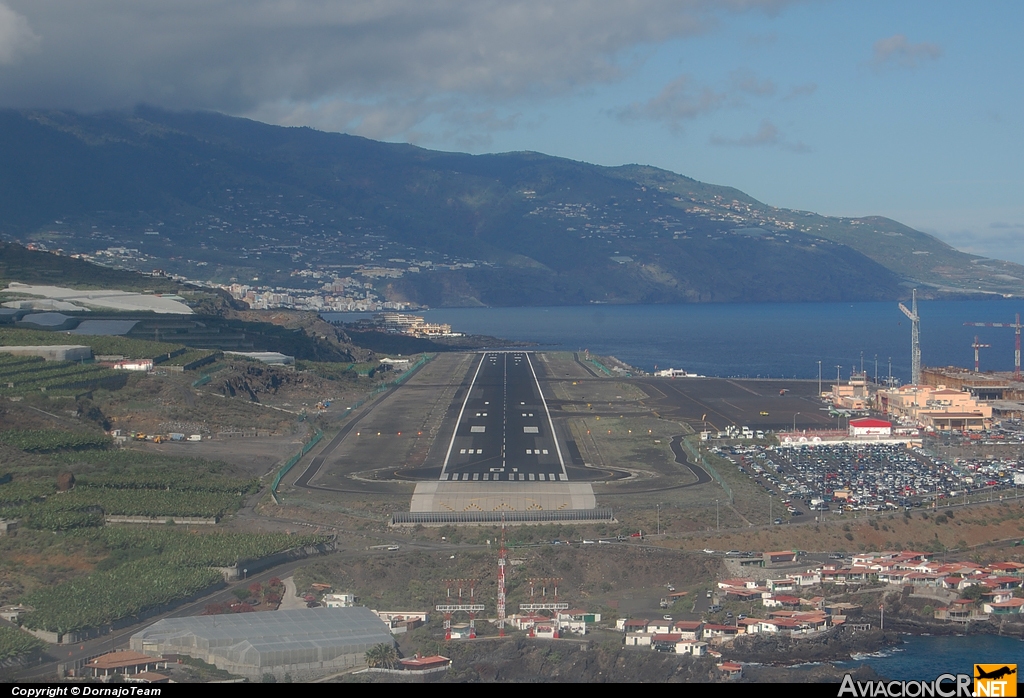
382	656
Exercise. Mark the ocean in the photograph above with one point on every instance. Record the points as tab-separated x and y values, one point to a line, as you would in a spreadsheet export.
927	657
776	340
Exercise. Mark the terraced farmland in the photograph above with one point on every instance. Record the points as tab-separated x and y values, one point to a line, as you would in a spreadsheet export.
20	375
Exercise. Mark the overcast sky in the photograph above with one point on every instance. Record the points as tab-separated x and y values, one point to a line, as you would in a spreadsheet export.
908	109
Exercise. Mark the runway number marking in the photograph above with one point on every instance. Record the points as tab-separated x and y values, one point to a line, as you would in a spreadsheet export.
492	357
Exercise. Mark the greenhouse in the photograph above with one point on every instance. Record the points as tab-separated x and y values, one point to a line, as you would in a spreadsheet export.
302	642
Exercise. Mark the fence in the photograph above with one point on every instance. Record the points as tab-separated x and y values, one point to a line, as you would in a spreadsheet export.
319	434
534	516
698	457
205	378
295	459
391	383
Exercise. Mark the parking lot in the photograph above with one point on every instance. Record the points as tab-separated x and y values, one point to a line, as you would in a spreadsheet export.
871	477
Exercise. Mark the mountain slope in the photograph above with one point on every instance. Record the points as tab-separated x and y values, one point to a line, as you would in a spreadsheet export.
218	198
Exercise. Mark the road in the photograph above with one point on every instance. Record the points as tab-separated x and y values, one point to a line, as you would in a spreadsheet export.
504	430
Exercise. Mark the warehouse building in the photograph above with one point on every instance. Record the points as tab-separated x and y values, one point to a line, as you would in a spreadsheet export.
304	643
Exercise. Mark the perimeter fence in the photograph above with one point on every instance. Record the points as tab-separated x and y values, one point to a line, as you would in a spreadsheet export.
356	405
295	459
533	516
390	384
694	453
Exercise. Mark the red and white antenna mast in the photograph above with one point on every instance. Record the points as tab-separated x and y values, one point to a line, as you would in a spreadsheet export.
1016	351
978	345
502	553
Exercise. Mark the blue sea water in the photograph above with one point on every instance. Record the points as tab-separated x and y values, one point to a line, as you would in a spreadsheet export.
779	340
927	657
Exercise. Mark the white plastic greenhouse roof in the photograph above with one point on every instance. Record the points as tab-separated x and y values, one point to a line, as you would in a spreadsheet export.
270	638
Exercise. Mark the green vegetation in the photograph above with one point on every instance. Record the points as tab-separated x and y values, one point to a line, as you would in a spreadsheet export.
152	503
50	440
382	656
104	597
117	483
157	496
20	492
152	567
21	375
188	357
17	643
180	547
344	372
101	344
142	479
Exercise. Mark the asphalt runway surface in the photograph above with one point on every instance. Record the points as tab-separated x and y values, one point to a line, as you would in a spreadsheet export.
504	430
722	402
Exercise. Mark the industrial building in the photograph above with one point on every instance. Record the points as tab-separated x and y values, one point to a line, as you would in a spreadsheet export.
305	643
935	407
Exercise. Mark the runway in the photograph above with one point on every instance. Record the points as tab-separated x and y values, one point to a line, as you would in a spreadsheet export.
504	430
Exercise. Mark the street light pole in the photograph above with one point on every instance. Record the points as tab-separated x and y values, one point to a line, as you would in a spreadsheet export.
794	422
819	379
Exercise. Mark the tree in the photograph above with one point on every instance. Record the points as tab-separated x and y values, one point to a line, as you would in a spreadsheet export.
382	656
973	592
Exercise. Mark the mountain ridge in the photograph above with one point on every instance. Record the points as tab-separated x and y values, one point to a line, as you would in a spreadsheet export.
218	198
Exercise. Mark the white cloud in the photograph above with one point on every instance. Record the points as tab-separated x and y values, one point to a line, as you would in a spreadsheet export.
381	64
16	36
745	80
767	134
678	101
896	51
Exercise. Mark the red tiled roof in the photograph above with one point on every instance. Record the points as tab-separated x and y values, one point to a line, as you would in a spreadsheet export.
122	660
419	663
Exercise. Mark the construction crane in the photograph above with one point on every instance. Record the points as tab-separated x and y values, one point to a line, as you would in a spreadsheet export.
1016	352
915	339
976	347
